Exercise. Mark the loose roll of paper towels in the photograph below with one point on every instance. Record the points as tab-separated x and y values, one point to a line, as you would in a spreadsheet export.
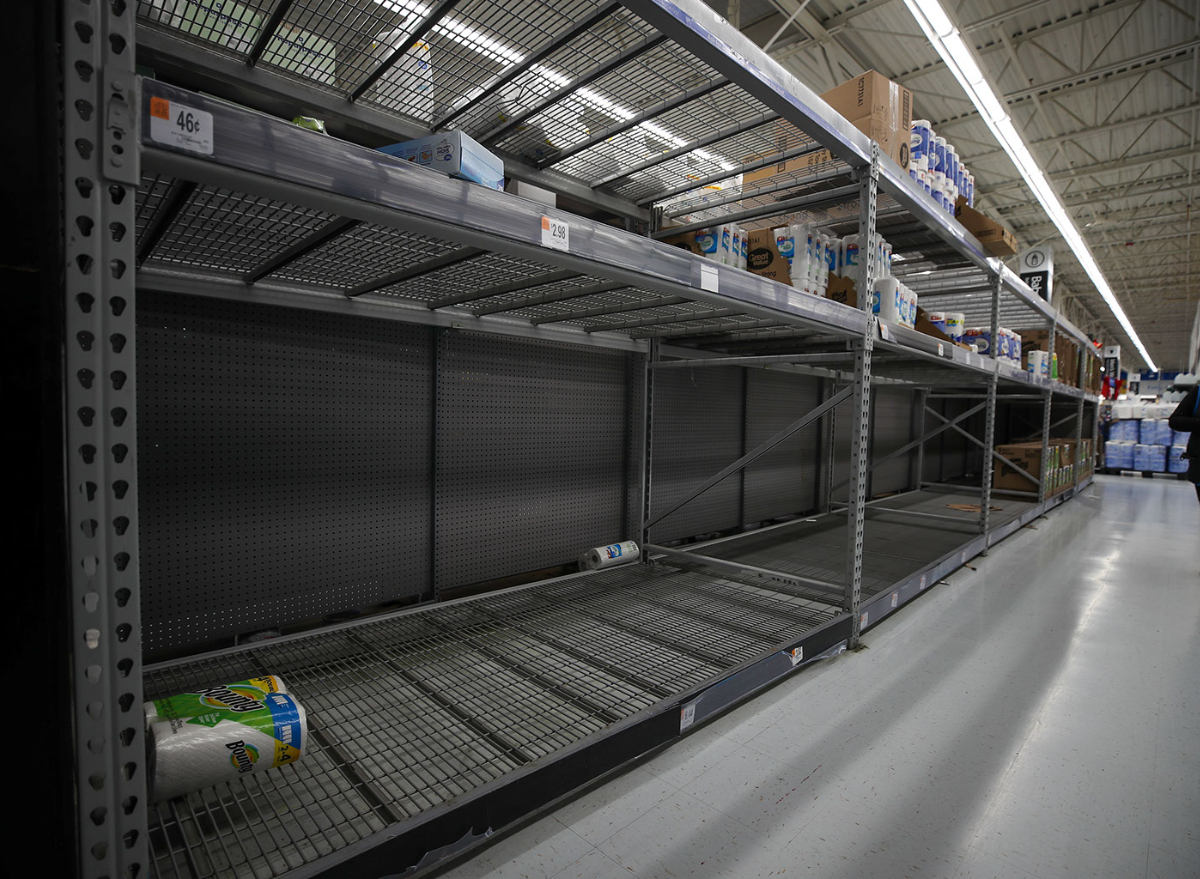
225	744
613	554
222	696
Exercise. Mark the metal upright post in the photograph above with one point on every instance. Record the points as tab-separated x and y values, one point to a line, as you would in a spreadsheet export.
101	173
1077	463
922	402
1047	407
989	430
652	356
830	449
861	407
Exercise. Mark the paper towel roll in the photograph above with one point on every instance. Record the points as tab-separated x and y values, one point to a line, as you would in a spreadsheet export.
235	696
890	306
198	752
613	554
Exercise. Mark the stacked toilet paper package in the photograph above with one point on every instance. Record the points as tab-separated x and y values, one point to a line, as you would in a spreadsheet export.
1007	347
934	164
222	733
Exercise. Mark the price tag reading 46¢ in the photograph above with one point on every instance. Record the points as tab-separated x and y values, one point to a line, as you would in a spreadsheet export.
556	234
184	128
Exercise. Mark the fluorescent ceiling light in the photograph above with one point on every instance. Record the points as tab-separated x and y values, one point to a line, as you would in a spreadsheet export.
961	61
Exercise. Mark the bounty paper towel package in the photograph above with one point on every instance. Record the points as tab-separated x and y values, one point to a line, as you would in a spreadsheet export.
224	697
219	735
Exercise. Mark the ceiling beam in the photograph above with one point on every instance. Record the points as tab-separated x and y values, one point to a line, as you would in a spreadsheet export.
1096	77
1125	164
1085	16
1095	130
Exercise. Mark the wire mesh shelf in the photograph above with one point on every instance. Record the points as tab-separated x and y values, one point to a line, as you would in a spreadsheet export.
410	711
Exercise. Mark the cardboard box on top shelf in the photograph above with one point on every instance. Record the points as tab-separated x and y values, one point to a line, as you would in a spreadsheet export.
842	290
924	325
455	154
876	106
997	239
687	241
763	257
1064	347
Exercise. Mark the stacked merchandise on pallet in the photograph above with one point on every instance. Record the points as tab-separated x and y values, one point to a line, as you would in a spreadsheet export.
1118	454
1155	432
1150	458
1176	463
1124	432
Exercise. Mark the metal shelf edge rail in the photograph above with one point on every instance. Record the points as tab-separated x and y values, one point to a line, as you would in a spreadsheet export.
271	157
100	120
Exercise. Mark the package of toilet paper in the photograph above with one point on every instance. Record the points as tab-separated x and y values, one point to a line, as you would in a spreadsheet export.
1176	463
1118	455
230	737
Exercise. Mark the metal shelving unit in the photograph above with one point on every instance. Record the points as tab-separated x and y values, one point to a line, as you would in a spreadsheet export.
436	726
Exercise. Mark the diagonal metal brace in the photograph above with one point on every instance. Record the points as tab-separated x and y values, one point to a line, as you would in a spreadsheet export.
755	454
918	441
983	445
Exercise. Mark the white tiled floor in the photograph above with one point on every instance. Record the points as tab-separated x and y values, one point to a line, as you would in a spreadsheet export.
1038	717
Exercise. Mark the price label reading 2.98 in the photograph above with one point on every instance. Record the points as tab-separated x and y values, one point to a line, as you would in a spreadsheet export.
184	128
556	234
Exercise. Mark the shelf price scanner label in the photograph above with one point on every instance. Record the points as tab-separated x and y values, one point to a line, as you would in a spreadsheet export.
556	234
185	128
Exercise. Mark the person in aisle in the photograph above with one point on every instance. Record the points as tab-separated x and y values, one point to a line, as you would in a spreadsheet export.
1187	417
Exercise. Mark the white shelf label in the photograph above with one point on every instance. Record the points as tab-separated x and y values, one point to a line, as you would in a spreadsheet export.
922	581
182	127
895	599
708	279
797	655
862	621
885	332
687	716
941	350
556	234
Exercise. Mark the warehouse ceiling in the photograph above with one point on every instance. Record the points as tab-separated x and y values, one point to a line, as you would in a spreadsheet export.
1106	95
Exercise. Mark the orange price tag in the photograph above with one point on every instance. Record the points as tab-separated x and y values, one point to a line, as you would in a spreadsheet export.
546	223
160	107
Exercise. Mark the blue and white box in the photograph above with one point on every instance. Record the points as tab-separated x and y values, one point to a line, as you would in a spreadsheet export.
1176	463
454	154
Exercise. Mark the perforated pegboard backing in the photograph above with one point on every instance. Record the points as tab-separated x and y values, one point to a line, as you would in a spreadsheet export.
284	465
892	429
785	479
531	455
697	432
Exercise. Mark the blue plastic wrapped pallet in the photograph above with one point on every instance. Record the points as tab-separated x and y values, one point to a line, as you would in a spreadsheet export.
452	153
1155	432
1124	431
1150	458
1176	463
1118	455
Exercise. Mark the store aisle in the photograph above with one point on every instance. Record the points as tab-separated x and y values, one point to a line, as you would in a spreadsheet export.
1036	717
